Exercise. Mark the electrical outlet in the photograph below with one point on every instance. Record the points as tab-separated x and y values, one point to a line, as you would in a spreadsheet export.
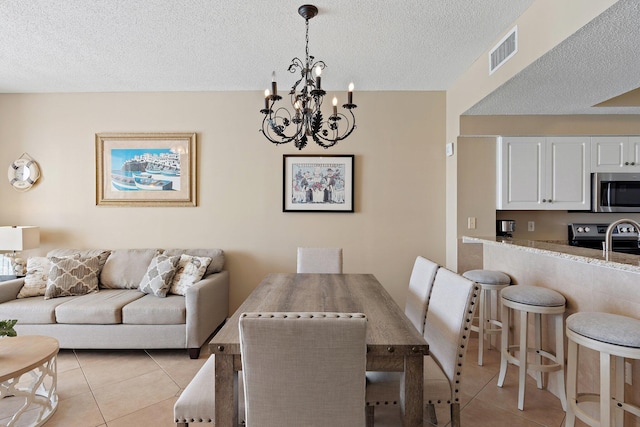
471	223
531	226
627	373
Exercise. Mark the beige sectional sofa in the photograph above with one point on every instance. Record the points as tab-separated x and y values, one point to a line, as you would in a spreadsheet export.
117	314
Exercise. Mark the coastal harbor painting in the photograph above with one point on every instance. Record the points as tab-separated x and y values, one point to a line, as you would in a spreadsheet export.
146	169
318	183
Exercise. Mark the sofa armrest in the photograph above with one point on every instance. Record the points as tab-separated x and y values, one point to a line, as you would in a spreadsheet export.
9	290
207	303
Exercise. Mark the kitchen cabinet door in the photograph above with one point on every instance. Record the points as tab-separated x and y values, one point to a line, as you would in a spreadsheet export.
615	154
521	166
567	173
633	154
543	173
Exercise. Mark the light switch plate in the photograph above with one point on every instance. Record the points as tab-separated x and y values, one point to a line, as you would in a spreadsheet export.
449	149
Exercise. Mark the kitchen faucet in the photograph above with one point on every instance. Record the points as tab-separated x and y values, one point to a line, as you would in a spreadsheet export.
609	233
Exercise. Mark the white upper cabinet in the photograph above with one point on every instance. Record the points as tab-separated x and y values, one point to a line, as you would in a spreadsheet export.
543	173
615	154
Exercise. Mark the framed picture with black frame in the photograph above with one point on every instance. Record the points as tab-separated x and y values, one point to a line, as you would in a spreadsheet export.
317	183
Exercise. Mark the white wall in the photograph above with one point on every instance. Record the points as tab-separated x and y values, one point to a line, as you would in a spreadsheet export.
399	181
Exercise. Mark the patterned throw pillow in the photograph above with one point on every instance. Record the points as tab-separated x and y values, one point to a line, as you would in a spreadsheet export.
35	282
72	276
157	279
190	270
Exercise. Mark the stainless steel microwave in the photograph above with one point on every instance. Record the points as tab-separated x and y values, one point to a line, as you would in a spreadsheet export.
615	192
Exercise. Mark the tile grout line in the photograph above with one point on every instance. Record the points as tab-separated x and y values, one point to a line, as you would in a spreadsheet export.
180	388
104	421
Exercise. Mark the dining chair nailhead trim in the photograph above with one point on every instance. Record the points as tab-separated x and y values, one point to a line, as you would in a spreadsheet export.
283	315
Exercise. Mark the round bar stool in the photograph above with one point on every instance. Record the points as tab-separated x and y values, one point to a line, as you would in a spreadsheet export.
489	281
611	335
538	301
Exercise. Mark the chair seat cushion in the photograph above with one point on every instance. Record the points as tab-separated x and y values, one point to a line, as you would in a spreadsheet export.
384	387
533	295
488	277
606	327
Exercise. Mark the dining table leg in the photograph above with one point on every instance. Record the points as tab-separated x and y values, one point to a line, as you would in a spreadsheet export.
226	407
411	400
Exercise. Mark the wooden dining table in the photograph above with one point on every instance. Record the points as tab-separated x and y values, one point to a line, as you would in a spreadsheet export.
393	343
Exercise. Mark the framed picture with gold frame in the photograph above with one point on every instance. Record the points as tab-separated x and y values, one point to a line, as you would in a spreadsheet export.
146	169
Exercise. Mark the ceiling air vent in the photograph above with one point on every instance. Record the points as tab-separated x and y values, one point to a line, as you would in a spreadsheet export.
504	50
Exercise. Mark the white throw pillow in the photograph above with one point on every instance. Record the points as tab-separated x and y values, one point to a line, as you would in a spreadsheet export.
35	282
190	270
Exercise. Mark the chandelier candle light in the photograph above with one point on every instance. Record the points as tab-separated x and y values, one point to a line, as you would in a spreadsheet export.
280	126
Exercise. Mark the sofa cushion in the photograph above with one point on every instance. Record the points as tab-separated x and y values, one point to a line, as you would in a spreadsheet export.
35	310
150	310
125	267
100	308
159	274
190	270
35	281
72	276
217	257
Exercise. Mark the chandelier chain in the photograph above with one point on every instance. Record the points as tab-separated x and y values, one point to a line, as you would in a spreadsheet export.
307	42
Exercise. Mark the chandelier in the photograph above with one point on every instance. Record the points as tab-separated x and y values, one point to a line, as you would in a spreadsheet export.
281	126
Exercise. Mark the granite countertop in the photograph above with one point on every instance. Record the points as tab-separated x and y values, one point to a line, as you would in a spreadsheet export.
561	249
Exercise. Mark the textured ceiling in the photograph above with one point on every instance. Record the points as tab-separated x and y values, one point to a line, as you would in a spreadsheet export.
600	61
209	45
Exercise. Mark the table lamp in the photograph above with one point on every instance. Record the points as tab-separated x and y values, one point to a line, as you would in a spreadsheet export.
18	238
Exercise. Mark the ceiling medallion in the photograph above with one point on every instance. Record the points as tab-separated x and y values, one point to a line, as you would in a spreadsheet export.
281	126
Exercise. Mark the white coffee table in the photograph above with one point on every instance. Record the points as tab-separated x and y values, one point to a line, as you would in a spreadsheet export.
36	356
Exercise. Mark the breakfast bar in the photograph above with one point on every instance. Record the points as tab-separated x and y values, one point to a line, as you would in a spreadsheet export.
588	281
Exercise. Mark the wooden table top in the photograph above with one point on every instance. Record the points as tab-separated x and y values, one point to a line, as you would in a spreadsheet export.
24	353
389	332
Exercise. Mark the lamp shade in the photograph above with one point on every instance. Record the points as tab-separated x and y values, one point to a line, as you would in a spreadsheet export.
19	238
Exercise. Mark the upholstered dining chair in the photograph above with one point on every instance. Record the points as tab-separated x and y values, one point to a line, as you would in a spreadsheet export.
303	369
320	260
420	284
447	327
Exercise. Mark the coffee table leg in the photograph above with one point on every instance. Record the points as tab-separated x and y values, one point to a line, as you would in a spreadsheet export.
41	392
411	398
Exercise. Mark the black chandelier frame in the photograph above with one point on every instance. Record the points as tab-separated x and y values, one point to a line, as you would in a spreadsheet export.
280	126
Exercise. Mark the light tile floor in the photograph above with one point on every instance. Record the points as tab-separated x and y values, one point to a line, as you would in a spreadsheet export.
139	388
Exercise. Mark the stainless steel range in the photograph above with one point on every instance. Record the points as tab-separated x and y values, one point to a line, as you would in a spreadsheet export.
592	235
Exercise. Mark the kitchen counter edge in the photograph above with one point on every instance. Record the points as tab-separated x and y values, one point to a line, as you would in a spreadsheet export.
618	261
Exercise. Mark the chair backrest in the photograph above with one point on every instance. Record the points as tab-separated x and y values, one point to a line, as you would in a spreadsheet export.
303	369
420	284
320	260
448	323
